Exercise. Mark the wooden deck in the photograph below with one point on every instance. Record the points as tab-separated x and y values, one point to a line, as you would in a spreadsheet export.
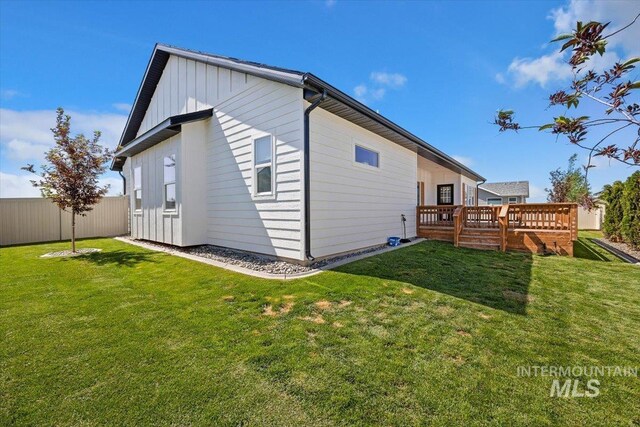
530	227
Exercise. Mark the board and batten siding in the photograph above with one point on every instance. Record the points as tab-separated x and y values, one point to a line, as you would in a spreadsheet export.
353	205
152	222
216	202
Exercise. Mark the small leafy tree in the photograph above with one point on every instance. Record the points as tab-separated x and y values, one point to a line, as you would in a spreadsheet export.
630	228
70	179
611	90
568	185
612	195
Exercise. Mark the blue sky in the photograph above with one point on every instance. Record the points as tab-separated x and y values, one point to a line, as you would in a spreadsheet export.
439	69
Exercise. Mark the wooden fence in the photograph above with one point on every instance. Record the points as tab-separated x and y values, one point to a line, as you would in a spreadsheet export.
31	220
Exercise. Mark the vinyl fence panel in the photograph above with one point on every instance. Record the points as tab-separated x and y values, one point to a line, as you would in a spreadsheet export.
31	220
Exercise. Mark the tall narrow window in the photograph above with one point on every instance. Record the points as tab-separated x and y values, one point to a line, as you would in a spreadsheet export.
263	165
170	182
137	187
470	195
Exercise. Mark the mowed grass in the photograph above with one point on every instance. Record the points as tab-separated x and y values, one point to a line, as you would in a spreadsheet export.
428	334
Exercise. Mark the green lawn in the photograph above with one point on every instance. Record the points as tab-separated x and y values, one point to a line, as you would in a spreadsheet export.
427	334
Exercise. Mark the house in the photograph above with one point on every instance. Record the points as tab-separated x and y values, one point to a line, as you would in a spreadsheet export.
502	193
243	155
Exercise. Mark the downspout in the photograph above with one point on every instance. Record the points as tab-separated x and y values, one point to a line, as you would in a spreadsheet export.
307	177
124	183
478	184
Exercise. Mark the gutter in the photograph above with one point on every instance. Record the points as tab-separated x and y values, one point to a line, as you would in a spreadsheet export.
307	176
478	184
124	183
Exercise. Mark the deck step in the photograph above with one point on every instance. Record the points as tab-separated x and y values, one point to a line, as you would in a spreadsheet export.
480	245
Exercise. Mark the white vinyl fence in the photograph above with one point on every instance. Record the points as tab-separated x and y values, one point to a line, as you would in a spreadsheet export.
591	220
30	220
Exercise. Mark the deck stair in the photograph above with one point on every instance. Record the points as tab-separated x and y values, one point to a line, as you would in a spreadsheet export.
480	238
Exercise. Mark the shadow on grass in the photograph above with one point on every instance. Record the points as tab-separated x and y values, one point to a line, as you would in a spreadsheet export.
494	279
120	257
585	248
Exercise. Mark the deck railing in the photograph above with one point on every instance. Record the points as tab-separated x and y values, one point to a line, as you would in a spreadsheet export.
480	216
435	216
559	217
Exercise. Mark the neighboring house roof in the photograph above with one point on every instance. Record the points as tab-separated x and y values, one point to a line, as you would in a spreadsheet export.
337	102
505	189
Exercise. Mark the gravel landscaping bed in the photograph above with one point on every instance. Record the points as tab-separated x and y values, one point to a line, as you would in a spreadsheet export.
69	253
256	262
621	246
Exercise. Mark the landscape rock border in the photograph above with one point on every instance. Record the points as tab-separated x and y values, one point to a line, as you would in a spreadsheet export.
243	266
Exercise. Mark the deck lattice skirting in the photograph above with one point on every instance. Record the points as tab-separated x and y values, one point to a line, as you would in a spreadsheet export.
530	227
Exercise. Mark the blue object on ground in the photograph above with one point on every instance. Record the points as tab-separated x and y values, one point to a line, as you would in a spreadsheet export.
393	241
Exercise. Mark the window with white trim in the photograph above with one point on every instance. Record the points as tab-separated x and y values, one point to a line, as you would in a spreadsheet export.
137	187
263	165
367	157
494	201
169	176
470	195
513	200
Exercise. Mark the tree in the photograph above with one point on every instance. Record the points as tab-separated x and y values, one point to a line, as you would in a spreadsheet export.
609	90
630	228
568	185
612	195
70	179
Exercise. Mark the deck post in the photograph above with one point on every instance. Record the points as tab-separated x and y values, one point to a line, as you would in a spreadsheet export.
457	225
503	221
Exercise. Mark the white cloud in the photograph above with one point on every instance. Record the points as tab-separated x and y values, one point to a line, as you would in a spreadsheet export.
619	13
360	91
17	186
389	79
467	161
12	185
7	94
24	134
379	82
553	67
17	149
122	106
330	3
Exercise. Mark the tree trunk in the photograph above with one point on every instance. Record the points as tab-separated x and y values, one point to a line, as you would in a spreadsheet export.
73	231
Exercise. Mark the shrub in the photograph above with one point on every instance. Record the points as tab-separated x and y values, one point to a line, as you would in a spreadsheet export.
630	228
612	195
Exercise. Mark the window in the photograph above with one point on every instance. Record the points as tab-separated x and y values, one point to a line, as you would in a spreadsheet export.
470	195
170	182
513	200
494	200
263	165
137	187
445	194
367	157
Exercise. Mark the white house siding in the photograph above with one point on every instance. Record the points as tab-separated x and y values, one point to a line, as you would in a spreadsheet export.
152	222
433	175
354	206
187	86
216	201
236	217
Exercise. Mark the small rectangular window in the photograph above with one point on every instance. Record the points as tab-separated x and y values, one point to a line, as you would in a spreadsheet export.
170	182
513	200
137	187
263	165
367	157
494	201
